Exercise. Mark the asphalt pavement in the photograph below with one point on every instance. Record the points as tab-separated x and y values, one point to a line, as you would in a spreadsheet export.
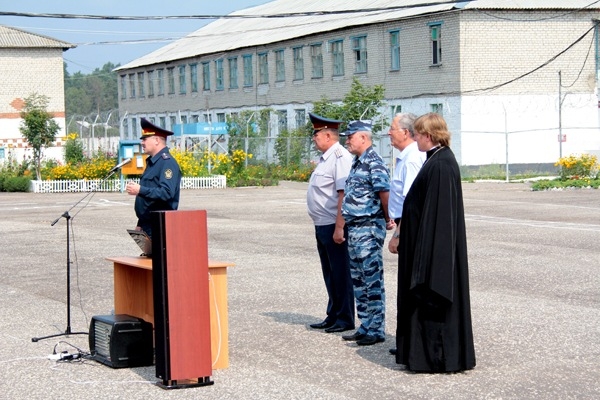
535	293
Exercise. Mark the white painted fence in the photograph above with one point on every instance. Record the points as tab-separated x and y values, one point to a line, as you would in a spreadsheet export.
115	185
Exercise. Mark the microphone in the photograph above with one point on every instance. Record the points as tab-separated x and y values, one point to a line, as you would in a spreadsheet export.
119	165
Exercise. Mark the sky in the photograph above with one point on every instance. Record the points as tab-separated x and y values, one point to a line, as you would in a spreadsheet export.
86	33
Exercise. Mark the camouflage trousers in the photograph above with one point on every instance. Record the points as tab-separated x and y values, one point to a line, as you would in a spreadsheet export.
365	246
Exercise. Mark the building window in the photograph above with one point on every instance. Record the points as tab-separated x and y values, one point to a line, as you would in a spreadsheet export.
394	50
300	117
437	108
435	29
207	118
248	81
160	77
182	85
123	86
316	57
150	76
282	120
134	127
233	73
395	109
162	122
194	77
359	47
337	54
132	86
206	76
298	64
171	80
172	121
220	79
140	82
220	117
279	65
195	118
263	68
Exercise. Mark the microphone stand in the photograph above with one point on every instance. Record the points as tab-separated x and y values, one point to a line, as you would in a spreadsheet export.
68	218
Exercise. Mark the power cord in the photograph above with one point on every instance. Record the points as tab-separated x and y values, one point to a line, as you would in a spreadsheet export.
69	355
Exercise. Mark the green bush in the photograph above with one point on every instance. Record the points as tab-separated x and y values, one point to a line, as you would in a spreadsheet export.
559	183
15	184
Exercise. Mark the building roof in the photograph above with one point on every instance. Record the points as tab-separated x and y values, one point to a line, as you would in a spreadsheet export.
17	38
282	20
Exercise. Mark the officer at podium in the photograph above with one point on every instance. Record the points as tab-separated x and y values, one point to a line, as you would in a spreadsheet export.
158	189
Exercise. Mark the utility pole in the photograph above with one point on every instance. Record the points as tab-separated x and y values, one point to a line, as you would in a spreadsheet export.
560	136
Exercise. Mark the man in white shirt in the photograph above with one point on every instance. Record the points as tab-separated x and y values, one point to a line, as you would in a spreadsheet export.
324	199
406	167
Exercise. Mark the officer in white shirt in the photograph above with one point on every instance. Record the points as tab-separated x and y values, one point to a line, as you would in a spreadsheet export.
324	198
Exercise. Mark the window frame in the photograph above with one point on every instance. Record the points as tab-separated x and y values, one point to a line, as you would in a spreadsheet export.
394	49
248	73
160	78
194	77
337	57
171	80
359	49
132	81
279	65
263	68
123	86
140	84
150	79
219	75
232	63
298	57
316	61
436	42
437	108
182	81
206	76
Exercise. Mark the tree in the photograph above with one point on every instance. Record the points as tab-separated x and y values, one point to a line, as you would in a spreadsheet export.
92	93
253	125
361	102
293	147
38	127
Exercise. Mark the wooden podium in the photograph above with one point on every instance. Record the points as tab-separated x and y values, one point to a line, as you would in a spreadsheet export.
134	296
175	292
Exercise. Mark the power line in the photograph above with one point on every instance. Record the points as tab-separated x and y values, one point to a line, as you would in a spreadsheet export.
228	16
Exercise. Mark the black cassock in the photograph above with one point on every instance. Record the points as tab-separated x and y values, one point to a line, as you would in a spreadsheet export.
434	332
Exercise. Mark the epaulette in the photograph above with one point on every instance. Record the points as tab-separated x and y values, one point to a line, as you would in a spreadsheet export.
165	156
339	152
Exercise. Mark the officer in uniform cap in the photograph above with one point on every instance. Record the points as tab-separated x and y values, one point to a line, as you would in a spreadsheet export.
158	189
324	198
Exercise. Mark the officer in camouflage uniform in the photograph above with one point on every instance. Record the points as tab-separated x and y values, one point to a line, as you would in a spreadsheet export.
158	189
365	210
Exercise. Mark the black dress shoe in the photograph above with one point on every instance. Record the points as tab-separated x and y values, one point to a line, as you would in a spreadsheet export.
393	351
338	328
354	336
368	340
322	325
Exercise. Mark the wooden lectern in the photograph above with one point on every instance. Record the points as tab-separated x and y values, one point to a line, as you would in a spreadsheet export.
181	302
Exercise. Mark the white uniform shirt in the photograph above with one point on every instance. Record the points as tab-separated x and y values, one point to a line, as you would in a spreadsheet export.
408	164
328	177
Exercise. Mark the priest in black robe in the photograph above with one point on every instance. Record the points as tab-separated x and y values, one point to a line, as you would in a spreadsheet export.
434	331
